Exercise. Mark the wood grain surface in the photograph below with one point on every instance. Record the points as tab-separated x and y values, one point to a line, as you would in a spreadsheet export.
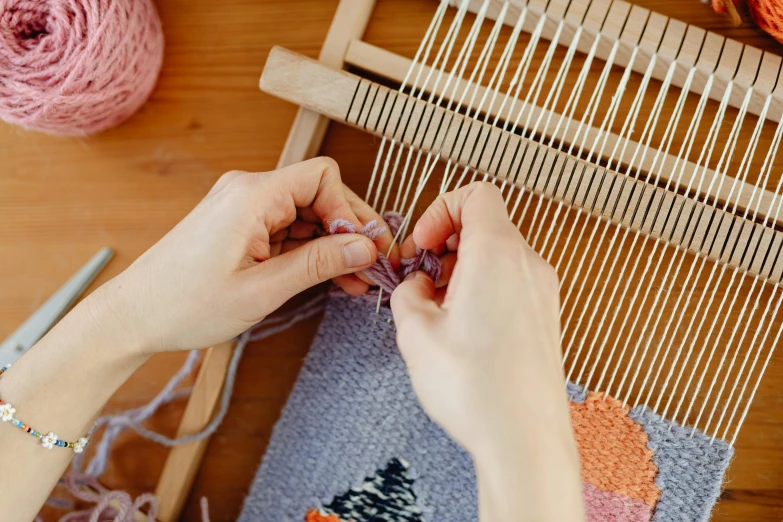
62	199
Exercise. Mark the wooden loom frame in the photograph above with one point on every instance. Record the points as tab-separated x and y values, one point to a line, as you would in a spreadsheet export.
343	46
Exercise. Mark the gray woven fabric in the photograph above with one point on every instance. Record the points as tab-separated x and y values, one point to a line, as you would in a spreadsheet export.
353	410
575	392
690	470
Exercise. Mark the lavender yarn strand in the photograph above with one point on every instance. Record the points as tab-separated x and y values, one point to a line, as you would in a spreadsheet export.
132	419
382	273
204	509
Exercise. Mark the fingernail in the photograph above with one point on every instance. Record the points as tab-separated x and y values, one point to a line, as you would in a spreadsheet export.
356	254
415	275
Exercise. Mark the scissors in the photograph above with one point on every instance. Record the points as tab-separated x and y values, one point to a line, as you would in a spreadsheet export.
53	309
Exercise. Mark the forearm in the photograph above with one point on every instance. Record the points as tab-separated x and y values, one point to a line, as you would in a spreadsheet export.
60	385
531	477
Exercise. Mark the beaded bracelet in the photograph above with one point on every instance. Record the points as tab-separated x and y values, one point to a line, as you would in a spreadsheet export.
49	440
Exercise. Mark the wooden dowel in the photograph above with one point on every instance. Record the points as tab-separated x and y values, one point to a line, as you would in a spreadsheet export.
341	96
394	67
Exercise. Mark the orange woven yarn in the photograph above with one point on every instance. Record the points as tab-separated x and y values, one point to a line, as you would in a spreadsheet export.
768	15
315	516
613	449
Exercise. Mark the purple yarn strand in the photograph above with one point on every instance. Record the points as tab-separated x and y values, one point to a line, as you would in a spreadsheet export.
382	273
204	509
77	481
132	419
425	261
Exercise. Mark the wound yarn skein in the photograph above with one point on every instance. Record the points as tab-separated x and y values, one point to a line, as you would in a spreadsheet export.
767	14
77	67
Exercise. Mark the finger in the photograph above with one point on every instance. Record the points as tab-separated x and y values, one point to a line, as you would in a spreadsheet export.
292	244
314	183
307	214
440	296
452	243
304	230
478	206
351	285
365	213
278	236
413	302
447	264
408	248
275	249
314	262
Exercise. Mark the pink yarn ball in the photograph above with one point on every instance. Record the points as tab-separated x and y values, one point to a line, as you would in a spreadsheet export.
77	67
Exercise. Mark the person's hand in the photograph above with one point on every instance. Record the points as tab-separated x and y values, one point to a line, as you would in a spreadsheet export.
483	351
255	241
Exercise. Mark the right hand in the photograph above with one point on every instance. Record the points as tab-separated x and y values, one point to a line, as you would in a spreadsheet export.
484	352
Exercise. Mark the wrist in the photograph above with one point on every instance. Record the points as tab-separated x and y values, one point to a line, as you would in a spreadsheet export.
530	465
111	315
65	379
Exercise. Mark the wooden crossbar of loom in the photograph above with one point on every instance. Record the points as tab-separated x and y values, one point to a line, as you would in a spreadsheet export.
375	108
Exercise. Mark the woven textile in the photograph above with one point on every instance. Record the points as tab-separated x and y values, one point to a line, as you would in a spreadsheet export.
353	444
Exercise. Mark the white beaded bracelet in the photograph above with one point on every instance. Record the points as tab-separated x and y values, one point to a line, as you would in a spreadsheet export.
48	441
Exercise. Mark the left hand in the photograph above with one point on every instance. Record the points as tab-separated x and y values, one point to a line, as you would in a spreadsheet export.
248	247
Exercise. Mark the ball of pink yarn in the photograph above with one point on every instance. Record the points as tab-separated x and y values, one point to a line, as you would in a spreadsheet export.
76	67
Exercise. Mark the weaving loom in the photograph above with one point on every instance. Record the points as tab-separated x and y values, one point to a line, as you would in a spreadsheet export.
639	156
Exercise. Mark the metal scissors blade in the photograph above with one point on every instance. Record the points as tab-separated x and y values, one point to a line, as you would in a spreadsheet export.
53	309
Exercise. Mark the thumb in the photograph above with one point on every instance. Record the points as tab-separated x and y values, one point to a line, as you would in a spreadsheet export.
413	303
313	263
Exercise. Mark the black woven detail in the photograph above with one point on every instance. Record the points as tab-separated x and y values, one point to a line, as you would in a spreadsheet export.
387	496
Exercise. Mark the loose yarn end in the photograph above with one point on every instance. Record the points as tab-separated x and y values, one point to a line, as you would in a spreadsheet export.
382	273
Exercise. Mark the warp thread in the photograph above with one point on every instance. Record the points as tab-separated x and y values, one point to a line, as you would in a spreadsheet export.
77	67
77	481
382	273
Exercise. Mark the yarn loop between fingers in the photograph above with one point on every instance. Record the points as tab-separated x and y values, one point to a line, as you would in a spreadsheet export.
382	273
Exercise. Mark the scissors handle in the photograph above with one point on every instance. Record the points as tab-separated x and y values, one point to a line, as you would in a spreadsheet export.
53	309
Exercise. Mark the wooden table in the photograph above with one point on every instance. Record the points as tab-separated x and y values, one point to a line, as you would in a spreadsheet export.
61	199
